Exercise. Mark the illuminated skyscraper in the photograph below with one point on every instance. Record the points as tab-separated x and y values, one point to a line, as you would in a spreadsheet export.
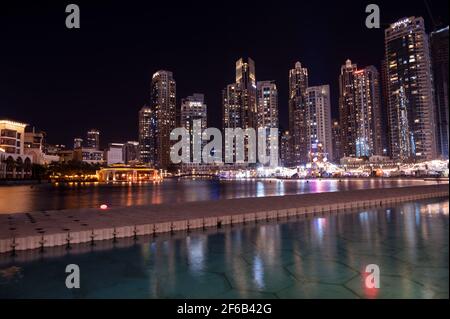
360	111
93	139
146	137
194	108
410	96
267	115
298	82
246	83
439	56
285	149
163	92
131	152
318	122
239	102
231	108
336	141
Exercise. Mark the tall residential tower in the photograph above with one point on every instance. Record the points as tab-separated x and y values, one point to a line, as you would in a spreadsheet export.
163	104
411	110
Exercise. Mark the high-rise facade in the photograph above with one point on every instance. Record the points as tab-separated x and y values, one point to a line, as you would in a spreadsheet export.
360	111
439	56
285	149
410	94
146	136
193	108
93	139
231	107
318	122
131	152
246	83
298	82
336	141
163	98
239	101
267	115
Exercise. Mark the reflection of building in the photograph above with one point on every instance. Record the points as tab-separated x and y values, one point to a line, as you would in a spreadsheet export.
360	113
131	152
410	98
318	122
439	56
14	164
164	107
88	155
114	153
93	139
298	82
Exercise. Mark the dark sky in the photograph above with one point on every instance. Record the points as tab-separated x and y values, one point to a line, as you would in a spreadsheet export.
67	81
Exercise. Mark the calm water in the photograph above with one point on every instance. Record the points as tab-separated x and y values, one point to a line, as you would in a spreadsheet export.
311	258
48	197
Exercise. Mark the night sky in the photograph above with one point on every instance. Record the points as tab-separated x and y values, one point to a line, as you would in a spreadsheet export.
65	81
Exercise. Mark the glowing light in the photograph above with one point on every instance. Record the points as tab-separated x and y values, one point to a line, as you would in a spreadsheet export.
103	206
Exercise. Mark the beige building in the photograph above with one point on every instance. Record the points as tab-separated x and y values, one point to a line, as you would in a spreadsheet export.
14	164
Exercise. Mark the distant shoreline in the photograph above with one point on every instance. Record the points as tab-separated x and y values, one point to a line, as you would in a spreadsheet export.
7	183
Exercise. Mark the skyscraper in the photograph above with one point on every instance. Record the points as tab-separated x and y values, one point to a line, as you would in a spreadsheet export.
231	108
439	57
163	92
318	122
194	108
336	140
267	115
298	82
359	110
131	152
410	97
246	82
146	136
239	102
93	139
285	149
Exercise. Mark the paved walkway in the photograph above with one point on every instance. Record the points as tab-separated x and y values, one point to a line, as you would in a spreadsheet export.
52	228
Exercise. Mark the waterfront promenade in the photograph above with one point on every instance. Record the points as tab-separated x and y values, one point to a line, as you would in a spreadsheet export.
41	229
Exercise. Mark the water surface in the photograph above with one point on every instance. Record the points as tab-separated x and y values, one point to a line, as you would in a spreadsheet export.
312	258
50	197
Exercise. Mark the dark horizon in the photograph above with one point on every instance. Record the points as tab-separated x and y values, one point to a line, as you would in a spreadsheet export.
65	82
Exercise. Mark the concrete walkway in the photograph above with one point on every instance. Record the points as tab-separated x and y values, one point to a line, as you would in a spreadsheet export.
66	227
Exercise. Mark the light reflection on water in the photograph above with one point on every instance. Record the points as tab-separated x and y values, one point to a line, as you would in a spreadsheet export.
313	258
49	197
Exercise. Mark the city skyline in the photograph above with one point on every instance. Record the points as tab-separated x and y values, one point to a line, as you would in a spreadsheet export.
121	123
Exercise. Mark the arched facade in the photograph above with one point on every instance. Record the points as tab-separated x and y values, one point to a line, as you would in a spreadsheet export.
15	166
